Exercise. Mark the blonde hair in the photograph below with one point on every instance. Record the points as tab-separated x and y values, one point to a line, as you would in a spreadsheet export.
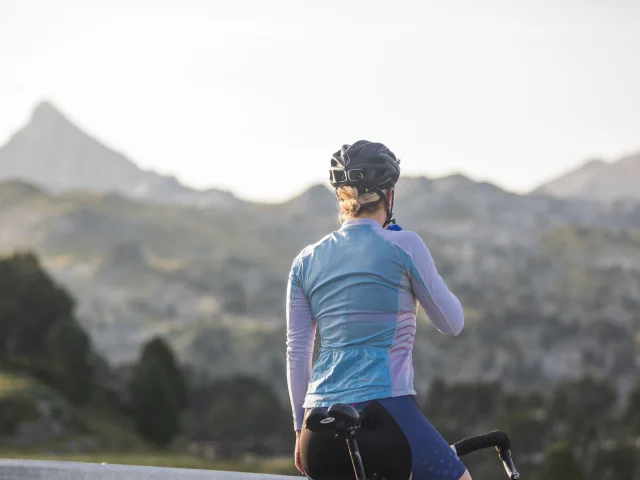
353	204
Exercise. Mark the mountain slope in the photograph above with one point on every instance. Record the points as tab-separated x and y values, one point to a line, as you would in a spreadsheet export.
543	281
550	286
52	152
597	180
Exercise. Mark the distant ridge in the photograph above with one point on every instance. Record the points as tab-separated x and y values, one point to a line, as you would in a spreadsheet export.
55	154
597	180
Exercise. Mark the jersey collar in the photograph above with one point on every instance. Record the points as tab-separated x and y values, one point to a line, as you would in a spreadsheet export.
353	222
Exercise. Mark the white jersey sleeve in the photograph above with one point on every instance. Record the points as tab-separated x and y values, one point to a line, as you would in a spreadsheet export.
301	331
442	306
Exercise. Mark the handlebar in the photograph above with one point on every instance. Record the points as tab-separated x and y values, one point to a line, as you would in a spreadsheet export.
497	439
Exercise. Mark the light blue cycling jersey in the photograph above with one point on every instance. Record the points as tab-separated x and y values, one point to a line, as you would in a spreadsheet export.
360	286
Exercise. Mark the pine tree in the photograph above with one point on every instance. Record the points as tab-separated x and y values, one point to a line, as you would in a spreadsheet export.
158	393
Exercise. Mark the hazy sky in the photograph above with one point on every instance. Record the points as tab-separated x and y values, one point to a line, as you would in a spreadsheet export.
254	96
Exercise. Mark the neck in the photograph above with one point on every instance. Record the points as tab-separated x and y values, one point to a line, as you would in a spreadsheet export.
379	216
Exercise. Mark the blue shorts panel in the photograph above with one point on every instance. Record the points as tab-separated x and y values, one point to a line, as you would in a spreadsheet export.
432	457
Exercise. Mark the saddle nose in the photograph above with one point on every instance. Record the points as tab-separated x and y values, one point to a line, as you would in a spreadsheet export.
347	415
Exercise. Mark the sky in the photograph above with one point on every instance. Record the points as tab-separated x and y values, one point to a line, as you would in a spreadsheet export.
253	96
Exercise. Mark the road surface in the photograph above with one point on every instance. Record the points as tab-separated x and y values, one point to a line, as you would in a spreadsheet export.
45	470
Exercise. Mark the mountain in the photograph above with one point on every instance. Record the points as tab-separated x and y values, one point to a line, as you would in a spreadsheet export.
550	286
597	180
52	152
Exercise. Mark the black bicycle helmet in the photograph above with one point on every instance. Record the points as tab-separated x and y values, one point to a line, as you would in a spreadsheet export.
364	165
367	166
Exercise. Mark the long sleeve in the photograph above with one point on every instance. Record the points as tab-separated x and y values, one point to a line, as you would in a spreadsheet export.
301	331
442	306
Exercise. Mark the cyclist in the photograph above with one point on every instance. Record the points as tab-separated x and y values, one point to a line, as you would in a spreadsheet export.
360	286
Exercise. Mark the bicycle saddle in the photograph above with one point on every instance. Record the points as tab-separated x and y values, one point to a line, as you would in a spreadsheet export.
318	420
337	417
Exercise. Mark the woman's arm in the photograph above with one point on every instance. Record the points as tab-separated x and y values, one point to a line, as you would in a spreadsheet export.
301	332
442	306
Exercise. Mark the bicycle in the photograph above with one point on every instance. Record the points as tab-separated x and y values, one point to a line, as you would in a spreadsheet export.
345	420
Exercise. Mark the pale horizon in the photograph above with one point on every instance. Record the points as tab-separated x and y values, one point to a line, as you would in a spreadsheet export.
240	95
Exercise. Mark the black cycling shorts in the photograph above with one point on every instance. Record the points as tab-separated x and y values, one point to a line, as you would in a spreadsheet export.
396	442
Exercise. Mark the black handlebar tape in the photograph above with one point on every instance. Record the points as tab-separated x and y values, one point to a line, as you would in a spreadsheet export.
492	439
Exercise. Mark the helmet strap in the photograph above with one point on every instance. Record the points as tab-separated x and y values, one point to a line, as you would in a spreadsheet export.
388	207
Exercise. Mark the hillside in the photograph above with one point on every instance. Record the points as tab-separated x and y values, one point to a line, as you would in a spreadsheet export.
53	153
35	416
37	422
551	288
597	180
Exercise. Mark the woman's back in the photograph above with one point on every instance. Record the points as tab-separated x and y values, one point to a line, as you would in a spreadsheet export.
360	285
356	284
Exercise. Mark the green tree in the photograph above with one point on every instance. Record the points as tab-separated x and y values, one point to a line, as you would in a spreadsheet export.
38	332
584	408
244	407
516	401
158	393
456	409
70	360
528	430
616	461
632	414
561	464
30	303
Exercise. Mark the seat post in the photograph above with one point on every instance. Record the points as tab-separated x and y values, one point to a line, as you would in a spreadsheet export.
354	452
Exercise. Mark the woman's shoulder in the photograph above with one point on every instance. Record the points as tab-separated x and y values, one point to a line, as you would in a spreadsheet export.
396	233
309	249
408	241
